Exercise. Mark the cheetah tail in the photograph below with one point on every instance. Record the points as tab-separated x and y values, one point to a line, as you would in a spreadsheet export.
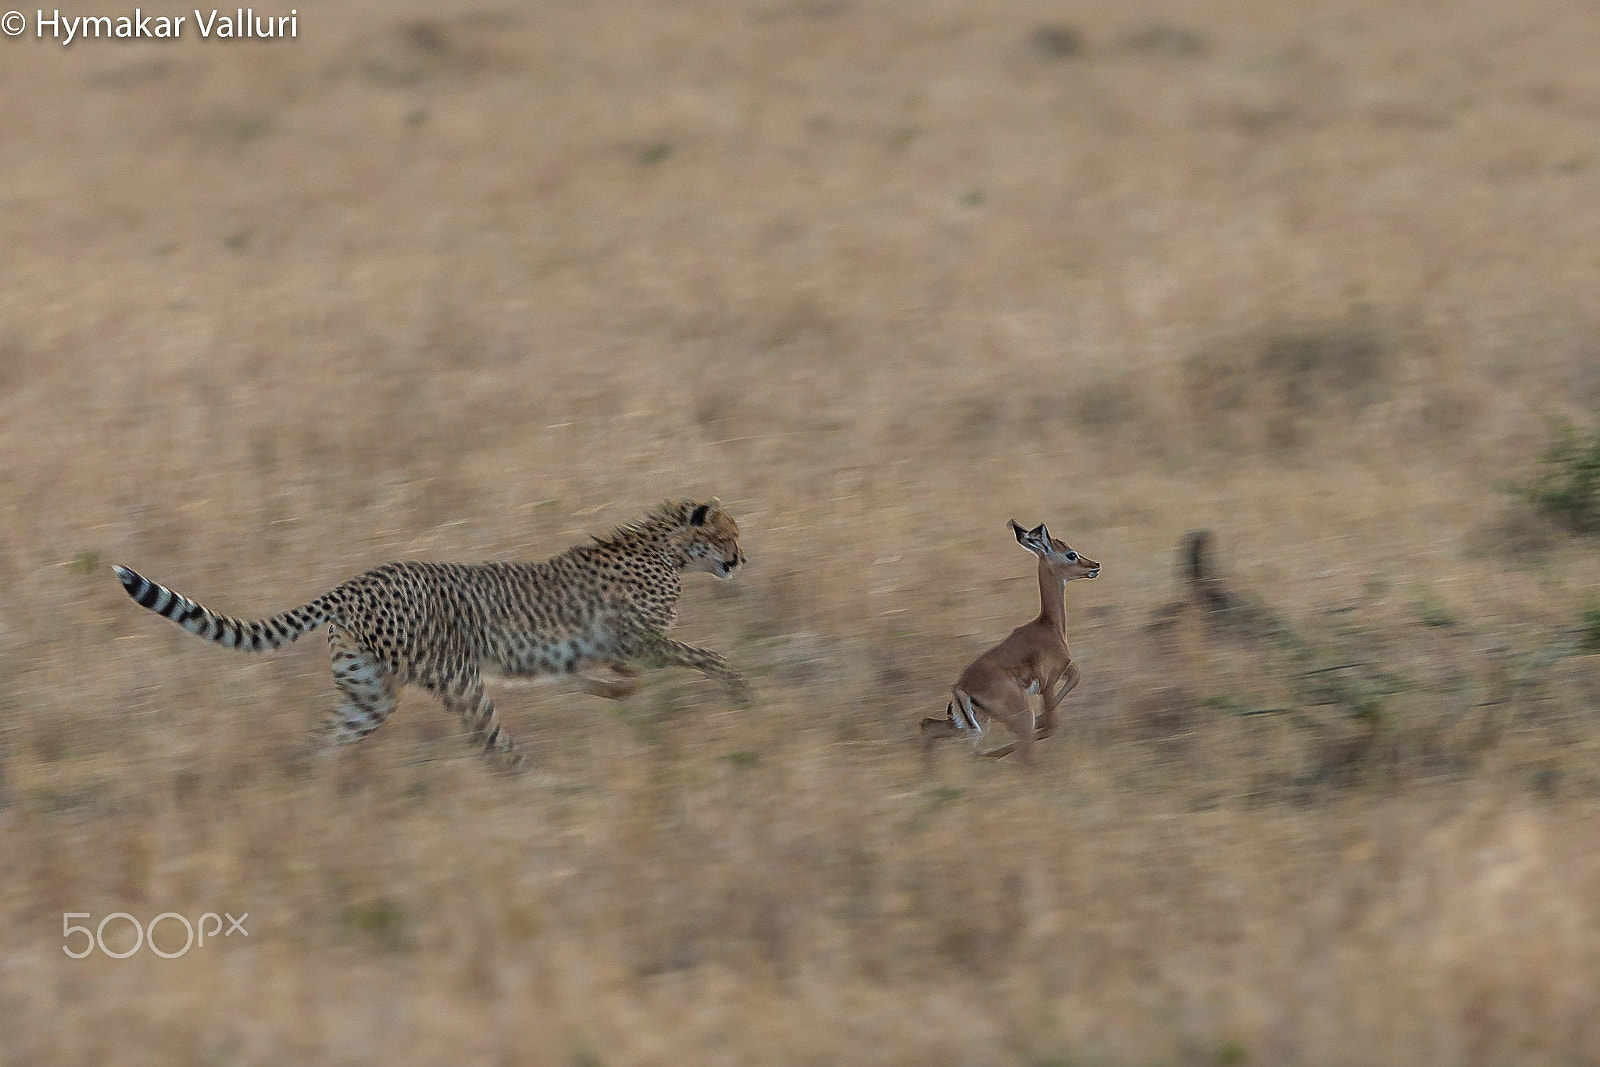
257	636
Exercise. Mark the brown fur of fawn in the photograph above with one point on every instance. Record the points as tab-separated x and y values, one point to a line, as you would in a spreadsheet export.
1033	660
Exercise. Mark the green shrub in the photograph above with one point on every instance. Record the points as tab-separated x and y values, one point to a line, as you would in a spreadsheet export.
1566	486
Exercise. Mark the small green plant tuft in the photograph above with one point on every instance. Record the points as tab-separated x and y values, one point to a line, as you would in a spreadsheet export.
901	139
1589	630
88	563
377	918
1432	612
1055	40
1566	486
743	760
651	154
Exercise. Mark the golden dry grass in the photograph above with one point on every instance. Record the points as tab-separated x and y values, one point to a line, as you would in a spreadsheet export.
462	282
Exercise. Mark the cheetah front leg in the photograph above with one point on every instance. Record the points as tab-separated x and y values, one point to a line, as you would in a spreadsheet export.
659	651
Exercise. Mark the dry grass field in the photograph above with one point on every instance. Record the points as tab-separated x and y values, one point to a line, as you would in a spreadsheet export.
461	281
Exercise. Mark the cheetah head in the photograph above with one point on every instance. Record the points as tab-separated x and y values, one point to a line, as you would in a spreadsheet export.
712	540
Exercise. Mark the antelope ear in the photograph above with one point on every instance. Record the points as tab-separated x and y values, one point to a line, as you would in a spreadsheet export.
1029	539
1041	535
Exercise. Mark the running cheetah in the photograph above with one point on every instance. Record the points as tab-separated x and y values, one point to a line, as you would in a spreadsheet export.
608	603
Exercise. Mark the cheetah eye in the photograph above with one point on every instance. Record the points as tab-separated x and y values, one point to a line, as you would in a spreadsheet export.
1072	557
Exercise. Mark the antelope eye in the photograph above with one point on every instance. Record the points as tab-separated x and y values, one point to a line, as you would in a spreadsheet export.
1072	557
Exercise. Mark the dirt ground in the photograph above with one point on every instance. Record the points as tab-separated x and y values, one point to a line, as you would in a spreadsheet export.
467	282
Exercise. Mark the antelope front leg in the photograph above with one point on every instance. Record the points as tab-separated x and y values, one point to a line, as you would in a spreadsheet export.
665	652
1052	700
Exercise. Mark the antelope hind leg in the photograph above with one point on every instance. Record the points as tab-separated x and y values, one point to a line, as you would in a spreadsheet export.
1018	717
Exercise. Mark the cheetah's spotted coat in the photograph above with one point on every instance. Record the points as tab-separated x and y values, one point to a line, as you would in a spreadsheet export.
607	603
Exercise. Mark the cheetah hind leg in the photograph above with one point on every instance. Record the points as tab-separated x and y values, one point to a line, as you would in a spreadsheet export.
466	697
625	685
369	689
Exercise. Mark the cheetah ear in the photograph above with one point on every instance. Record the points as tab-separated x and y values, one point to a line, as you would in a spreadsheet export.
701	513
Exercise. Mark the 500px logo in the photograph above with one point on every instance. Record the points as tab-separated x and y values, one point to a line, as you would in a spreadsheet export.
146	934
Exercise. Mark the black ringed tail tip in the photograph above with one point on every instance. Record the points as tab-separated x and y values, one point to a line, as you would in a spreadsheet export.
249	636
144	591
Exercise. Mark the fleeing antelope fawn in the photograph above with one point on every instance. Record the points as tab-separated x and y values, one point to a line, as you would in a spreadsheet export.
1031	661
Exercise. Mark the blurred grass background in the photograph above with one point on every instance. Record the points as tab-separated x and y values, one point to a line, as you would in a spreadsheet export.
453	281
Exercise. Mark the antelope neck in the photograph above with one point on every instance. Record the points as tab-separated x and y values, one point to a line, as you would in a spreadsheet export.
1052	608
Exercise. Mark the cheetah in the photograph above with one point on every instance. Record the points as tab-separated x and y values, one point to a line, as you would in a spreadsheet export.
608	603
